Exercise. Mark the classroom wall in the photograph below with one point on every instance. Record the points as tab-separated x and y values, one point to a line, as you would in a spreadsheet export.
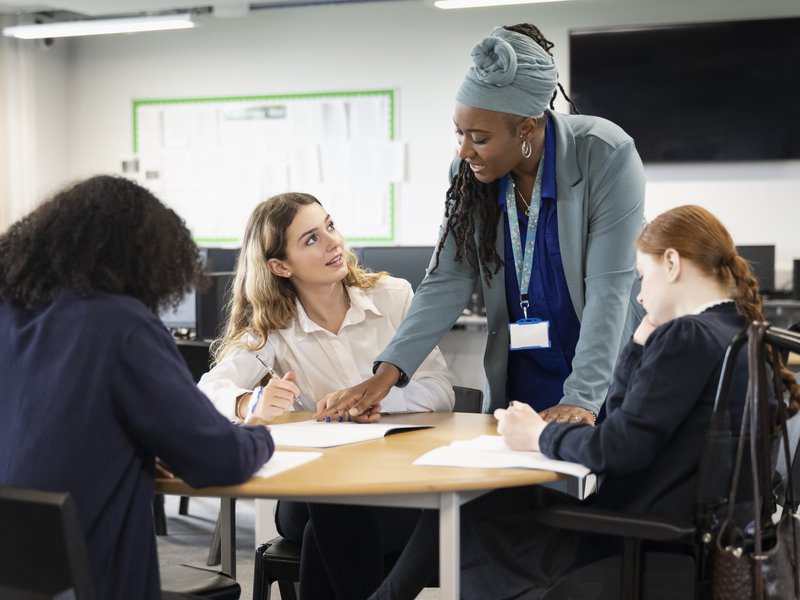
72	102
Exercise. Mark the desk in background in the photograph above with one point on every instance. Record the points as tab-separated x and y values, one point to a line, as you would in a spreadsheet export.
380	473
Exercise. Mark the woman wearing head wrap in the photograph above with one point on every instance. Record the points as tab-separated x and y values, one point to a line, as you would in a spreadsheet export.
544	209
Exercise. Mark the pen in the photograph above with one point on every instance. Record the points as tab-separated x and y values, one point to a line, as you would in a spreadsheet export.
273	374
269	369
254	402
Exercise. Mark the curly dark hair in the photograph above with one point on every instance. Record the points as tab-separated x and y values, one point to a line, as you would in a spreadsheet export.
102	234
467	196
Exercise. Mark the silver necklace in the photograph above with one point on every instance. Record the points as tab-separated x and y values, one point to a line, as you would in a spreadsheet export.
526	204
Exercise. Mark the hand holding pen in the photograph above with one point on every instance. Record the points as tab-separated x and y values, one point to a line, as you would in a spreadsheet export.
273	399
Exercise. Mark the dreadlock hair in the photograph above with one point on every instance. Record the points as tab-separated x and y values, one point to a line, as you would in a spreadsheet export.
699	236
465	197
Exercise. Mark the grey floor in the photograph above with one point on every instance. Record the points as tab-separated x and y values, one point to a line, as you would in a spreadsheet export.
189	537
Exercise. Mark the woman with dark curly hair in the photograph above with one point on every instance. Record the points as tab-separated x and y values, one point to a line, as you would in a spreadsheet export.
93	385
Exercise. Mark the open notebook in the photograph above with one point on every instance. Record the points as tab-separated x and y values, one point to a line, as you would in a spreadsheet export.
319	434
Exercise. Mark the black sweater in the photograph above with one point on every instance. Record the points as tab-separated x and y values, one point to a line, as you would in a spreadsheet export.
658	409
91	390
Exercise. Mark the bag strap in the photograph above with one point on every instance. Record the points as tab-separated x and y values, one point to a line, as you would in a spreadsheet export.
757	400
788	494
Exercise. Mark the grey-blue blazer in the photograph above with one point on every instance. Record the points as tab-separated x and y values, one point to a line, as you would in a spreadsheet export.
600	186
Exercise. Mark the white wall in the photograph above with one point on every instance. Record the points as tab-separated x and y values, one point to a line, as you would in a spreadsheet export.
83	91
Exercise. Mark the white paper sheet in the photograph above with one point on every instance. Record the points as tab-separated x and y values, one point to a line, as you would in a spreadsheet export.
318	434
283	461
490	452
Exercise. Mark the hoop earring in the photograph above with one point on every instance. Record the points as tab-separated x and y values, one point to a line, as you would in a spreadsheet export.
527	150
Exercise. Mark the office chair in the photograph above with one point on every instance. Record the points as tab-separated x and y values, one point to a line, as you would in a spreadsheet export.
35	528
468	400
43	554
279	559
657	575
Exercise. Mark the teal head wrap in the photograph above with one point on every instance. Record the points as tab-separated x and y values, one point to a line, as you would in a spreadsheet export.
511	73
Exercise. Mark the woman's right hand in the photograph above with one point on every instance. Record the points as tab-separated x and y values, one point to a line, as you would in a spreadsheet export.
277	397
362	400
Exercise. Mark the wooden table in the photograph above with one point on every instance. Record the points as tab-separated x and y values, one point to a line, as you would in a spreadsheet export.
380	473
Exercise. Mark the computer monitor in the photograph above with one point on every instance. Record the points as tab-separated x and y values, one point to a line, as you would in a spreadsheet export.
211	303
405	262
202	312
410	263
220	260
183	316
762	262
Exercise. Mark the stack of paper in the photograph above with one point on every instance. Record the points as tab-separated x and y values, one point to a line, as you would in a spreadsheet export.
490	452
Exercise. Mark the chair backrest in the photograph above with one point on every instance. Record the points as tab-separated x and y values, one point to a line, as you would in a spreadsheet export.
197	357
42	546
469	400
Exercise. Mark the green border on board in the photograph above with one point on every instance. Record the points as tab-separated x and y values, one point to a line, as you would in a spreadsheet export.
389	93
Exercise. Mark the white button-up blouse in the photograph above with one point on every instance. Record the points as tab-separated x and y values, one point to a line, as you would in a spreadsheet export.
325	362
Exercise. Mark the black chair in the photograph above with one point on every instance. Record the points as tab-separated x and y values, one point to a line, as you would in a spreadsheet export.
685	571
468	400
38	526
279	559
35	525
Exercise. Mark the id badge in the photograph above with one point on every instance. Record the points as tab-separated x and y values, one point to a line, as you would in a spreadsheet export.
529	333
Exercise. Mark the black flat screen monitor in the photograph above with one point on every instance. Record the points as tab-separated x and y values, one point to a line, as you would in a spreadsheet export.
724	91
762	262
405	262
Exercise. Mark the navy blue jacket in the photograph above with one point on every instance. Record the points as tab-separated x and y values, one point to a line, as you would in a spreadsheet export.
91	391
658	410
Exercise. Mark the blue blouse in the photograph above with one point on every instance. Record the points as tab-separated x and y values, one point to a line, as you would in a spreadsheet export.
536	376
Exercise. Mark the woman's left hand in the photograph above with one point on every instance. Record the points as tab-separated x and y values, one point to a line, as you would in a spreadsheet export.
567	413
643	331
520	426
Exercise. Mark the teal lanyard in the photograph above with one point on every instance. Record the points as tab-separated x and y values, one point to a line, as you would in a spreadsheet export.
523	263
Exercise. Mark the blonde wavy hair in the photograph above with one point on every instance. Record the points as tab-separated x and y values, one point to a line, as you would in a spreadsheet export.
262	301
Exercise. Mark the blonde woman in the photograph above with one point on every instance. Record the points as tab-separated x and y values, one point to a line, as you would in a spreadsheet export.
304	308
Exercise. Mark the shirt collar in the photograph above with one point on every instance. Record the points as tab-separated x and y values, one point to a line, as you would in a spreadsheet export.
704	307
360	304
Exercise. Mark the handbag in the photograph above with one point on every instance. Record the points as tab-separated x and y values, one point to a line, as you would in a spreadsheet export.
759	562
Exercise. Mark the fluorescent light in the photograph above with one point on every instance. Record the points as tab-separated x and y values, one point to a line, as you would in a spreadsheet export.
99	27
483	3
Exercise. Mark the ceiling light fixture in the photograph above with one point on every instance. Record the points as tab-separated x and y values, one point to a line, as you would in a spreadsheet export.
99	27
484	3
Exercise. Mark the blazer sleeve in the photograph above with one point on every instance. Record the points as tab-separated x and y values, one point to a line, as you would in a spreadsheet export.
616	213
431	388
437	304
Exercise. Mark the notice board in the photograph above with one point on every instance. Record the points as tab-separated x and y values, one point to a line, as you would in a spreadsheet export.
213	159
